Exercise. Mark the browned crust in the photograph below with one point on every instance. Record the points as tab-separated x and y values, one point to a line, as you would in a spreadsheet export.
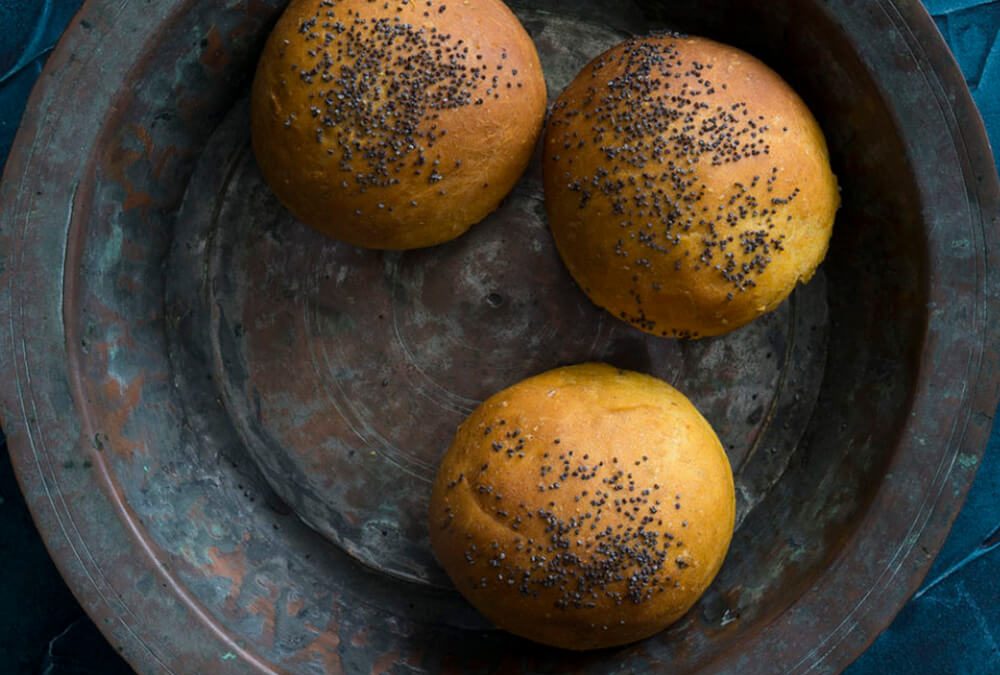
478	150
606	457
756	162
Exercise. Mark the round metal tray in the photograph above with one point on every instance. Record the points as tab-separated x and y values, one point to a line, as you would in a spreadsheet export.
226	425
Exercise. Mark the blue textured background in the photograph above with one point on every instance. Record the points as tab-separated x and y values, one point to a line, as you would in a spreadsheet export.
951	626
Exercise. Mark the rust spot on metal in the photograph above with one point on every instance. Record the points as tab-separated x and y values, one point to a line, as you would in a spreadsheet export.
229	565
215	56
129	393
384	663
294	605
147	141
265	607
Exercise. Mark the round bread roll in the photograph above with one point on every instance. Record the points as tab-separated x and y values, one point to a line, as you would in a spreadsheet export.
583	508
688	187
397	124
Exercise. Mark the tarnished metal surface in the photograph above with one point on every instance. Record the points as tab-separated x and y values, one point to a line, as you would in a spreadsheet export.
188	372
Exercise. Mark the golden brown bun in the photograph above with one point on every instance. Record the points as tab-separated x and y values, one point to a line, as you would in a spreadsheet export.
396	124
583	508
688	187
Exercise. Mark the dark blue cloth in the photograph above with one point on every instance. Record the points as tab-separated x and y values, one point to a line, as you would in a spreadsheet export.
952	625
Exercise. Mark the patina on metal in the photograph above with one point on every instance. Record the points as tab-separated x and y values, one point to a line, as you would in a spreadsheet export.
226	424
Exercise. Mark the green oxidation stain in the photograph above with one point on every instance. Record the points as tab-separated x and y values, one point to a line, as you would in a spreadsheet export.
194	553
968	461
112	252
113	351
71	464
229	656
332	322
145	584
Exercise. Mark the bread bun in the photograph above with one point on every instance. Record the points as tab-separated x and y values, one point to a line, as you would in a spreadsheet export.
583	508
396	124
688	187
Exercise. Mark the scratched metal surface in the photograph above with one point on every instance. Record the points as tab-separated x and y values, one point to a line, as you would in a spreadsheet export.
392	351
211	355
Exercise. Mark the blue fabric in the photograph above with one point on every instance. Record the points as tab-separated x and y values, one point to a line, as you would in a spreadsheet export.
951	626
29	29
